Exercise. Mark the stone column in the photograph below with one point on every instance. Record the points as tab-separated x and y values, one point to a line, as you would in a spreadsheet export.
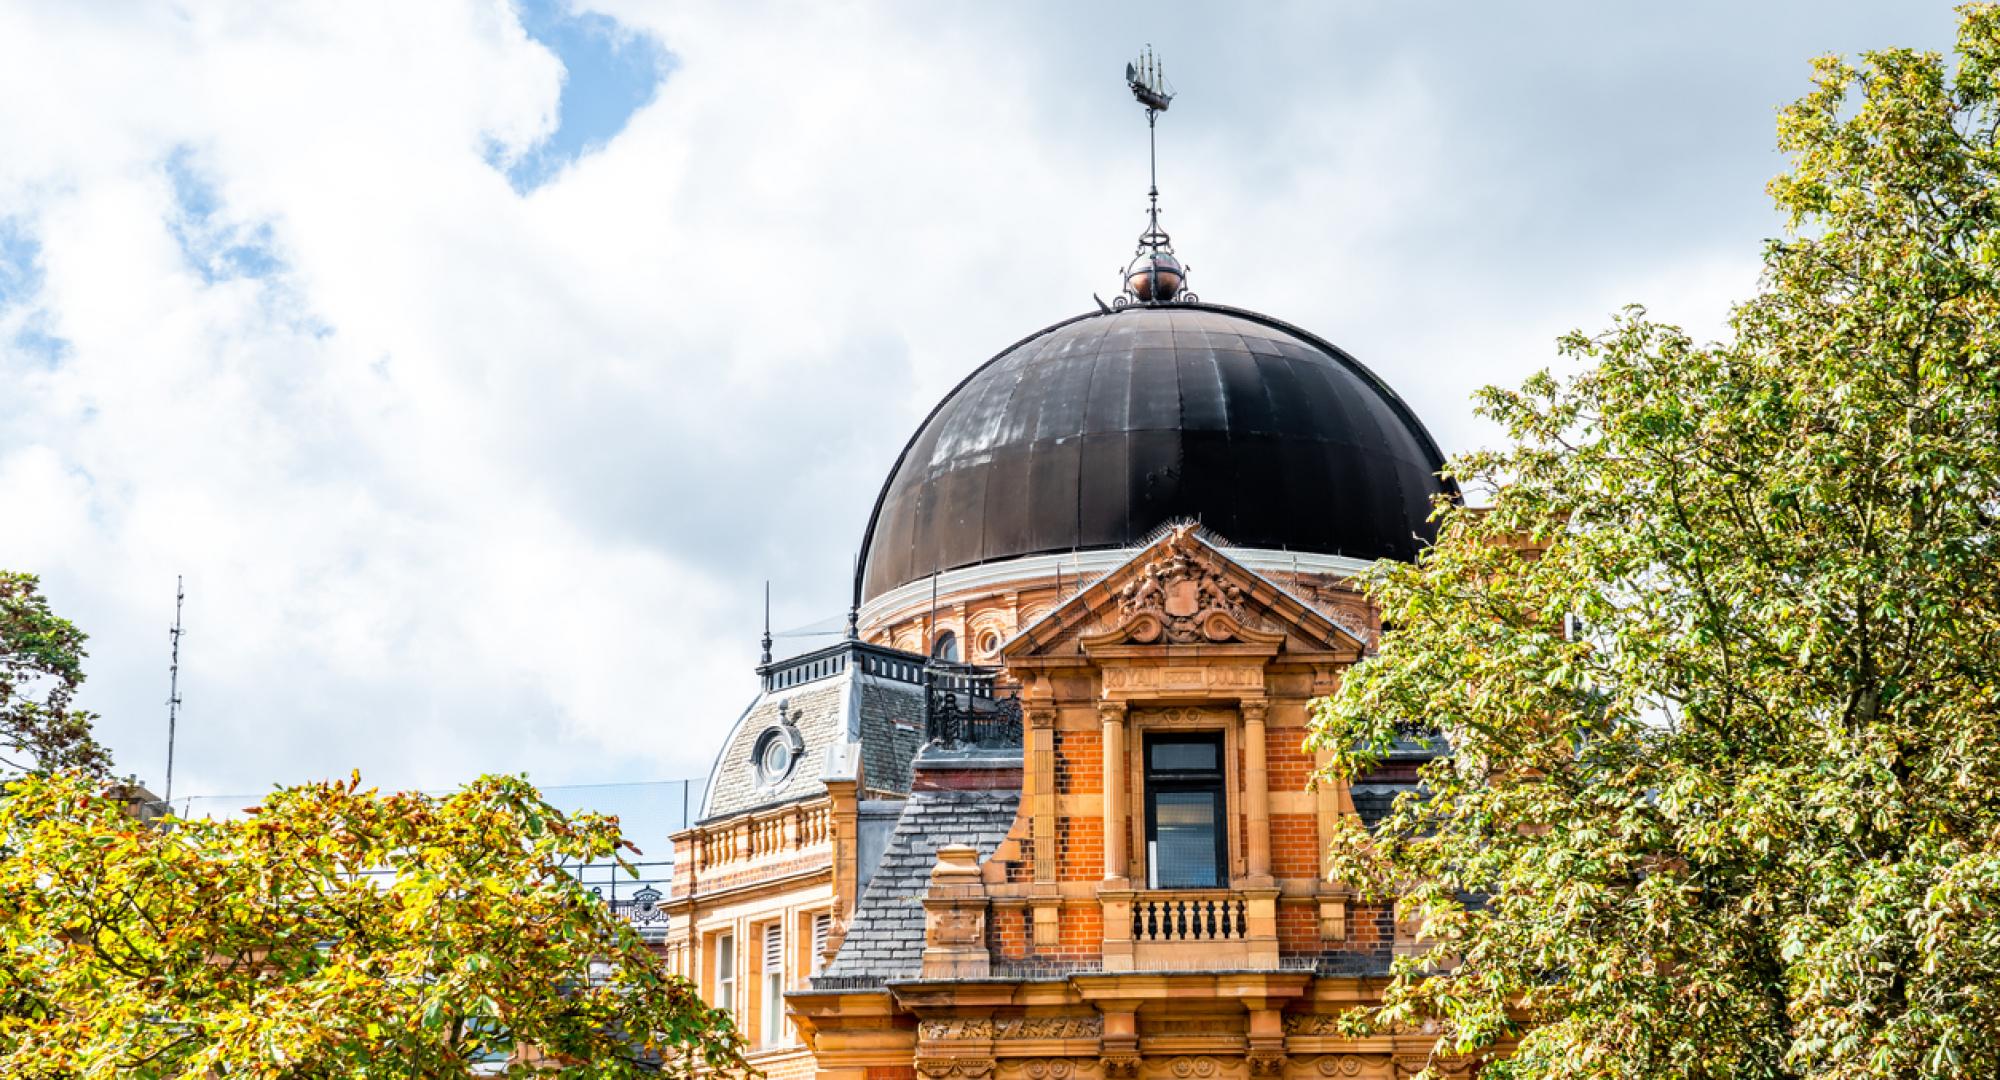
1256	794
1116	862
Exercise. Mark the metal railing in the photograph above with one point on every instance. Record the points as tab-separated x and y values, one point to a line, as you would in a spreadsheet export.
965	706
876	660
635	899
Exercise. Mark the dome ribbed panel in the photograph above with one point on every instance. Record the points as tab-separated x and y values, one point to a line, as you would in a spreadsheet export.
1097	431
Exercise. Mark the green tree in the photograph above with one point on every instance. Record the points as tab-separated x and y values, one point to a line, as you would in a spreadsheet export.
333	932
41	667
1718	667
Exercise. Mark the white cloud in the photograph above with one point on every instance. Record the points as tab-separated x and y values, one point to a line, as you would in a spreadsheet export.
478	480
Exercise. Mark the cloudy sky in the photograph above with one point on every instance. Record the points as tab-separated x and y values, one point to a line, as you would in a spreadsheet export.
476	363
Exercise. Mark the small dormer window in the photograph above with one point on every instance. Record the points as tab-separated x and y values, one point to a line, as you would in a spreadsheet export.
777	752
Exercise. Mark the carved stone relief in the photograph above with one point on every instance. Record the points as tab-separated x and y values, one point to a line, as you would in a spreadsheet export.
1055	1068
975	1027
1120	1065
955	1068
1356	1066
1312	1024
1182	596
1178	597
1266	1062
1011	1027
1329	1024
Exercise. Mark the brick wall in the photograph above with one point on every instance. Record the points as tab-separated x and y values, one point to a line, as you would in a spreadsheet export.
1285	758
1294	845
889	1072
1079	762
1007	933
1079	849
1370	926
1298	928
1081	933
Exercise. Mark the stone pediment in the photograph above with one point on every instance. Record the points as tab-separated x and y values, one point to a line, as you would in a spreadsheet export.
1183	591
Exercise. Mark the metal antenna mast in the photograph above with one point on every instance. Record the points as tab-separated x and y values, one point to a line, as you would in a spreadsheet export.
174	686
767	622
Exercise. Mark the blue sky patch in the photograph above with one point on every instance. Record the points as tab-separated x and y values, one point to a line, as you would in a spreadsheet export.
19	276
610	72
216	249
20	280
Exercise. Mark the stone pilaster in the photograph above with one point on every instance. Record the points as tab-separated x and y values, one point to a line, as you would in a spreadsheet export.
1117	863
1256	794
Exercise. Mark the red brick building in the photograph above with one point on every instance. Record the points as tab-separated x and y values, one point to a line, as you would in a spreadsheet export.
1044	813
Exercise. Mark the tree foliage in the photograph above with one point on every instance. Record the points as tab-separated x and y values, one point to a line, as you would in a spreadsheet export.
41	667
1718	667
334	931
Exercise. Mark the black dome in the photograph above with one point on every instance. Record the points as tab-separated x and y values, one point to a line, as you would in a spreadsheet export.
1096	431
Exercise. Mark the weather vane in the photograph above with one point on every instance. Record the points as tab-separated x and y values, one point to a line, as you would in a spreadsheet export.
1155	276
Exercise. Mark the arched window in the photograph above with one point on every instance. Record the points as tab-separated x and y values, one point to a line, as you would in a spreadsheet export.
945	647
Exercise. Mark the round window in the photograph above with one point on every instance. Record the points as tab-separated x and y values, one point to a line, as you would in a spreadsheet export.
775	756
989	643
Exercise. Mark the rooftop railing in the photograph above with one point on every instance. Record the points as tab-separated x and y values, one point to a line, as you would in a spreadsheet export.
965	705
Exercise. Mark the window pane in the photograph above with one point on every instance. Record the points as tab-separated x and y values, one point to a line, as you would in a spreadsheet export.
1185	840
822	925
1185	756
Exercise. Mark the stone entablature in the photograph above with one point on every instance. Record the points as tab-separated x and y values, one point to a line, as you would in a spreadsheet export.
1148	1026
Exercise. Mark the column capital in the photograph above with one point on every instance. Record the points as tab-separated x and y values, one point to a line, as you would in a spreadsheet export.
1111	711
1255	709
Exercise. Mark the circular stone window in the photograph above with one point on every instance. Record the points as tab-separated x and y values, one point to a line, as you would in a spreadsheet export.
777	752
989	643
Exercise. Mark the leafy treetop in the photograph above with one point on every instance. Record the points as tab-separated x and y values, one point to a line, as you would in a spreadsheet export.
1719	667
333	931
41	667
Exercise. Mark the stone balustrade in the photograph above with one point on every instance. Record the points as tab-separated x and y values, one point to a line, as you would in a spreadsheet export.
755	837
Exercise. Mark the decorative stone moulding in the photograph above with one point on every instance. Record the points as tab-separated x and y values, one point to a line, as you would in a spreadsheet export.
1120	1064
955	1068
955	917
1354	1066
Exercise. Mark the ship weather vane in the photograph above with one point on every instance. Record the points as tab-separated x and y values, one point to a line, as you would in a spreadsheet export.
1155	275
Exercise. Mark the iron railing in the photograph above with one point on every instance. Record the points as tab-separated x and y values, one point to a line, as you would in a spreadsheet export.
966	706
634	899
876	660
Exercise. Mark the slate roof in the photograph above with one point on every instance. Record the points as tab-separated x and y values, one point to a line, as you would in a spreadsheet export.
892	730
885	718
1372	801
885	939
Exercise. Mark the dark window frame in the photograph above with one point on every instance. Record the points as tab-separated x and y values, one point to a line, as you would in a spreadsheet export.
1213	782
945	647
